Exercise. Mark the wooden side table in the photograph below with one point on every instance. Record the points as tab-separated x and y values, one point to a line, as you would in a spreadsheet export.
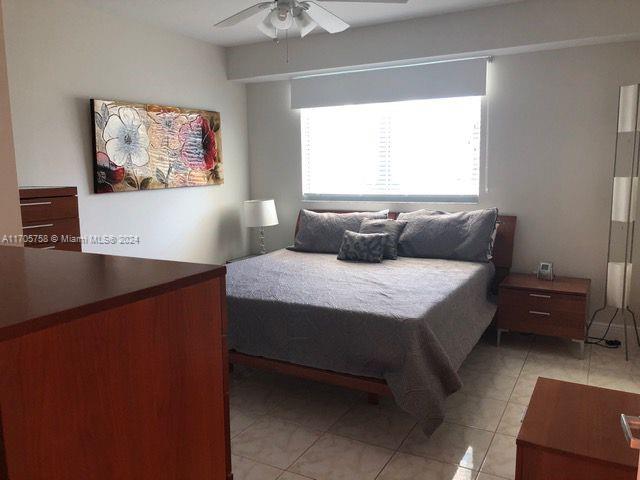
556	308
573	431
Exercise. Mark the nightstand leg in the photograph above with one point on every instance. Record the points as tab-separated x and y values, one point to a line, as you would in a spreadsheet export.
499	335
581	342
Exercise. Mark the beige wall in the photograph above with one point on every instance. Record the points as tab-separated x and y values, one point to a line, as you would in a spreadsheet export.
60	54
10	223
552	131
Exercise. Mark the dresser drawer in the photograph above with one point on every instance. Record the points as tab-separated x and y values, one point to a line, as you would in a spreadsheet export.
524	318
67	246
48	208
52	233
543	301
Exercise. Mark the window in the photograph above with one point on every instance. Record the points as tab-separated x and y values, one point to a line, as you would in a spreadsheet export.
417	150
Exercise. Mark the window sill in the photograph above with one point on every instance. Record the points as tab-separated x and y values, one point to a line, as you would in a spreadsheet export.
470	199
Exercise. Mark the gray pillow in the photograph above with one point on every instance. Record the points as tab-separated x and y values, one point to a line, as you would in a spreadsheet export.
393	228
322	232
453	236
419	213
362	247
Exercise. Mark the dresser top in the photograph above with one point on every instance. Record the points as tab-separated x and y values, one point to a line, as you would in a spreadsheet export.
42	288
568	285
580	420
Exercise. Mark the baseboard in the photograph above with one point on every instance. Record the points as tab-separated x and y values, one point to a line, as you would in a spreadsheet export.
616	331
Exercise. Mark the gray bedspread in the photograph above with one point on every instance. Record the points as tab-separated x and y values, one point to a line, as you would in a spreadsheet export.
411	321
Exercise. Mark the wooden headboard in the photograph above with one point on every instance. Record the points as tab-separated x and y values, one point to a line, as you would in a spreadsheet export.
502	248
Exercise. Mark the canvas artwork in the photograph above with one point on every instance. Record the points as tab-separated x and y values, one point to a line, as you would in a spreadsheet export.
142	147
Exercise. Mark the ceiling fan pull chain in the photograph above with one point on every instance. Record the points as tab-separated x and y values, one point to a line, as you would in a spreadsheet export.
286	42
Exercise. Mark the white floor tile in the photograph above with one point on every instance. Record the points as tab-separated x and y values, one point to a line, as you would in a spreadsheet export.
512	419
484	413
246	469
410	467
450	443
338	458
496	385
274	442
381	425
501	458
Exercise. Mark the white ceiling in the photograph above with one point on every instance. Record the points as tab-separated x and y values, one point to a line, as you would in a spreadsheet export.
195	18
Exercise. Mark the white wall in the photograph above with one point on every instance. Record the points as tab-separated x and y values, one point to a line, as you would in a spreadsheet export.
60	54
10	223
512	28
552	123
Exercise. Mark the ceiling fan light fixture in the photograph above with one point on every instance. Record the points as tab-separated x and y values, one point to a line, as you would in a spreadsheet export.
305	23
281	18
266	27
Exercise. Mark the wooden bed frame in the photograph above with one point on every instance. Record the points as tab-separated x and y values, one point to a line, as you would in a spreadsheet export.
374	387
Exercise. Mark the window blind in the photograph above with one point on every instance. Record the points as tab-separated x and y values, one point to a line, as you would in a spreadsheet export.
401	151
462	78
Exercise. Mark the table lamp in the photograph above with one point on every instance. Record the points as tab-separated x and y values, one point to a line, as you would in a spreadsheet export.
260	214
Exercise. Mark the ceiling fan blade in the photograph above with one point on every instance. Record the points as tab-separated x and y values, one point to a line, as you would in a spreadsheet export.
324	18
305	23
243	14
369	1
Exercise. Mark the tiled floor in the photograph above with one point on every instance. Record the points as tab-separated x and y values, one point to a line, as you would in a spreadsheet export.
288	429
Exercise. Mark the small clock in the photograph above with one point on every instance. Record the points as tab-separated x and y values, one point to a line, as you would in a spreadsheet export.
545	271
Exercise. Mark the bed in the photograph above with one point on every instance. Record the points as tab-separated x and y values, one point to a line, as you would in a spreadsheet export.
402	327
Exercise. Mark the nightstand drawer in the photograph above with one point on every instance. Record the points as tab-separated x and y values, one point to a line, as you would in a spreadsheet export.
542	321
543	301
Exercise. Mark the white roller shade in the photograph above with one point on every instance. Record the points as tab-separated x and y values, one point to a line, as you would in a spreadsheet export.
463	78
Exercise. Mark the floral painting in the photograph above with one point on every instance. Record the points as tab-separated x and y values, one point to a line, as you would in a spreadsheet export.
142	147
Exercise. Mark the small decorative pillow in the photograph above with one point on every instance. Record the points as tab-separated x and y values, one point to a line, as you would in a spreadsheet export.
321	232
393	228
362	247
453	236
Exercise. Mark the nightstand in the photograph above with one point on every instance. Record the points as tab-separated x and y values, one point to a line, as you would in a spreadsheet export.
556	308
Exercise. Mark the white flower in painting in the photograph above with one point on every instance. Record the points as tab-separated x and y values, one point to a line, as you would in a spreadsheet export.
126	138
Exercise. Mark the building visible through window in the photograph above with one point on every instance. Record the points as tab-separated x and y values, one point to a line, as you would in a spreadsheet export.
409	150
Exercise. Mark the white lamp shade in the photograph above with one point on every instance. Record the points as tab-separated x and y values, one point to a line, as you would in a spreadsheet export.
305	23
625	191
266	27
260	213
628	110
616	284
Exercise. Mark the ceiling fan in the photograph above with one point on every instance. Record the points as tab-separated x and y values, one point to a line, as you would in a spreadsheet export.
306	14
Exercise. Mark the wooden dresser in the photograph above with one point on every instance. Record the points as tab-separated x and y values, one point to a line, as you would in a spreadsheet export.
573	432
50	218
557	308
112	368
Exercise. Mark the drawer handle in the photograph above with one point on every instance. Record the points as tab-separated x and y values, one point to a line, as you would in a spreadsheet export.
34	204
51	247
537	295
542	314
44	225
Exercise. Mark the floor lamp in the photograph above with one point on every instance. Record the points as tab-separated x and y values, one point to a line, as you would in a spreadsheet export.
623	211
